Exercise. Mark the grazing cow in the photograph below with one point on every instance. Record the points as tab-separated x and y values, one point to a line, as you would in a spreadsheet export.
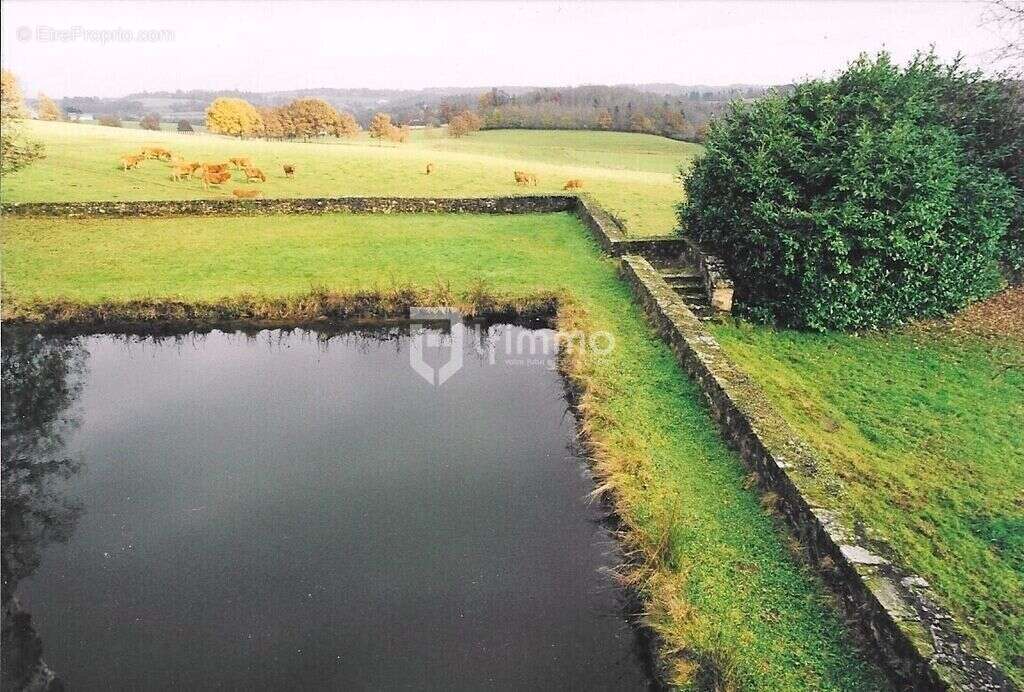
181	170
246	193
215	178
131	161
252	174
430	168
574	184
289	170
524	178
214	167
156	153
241	162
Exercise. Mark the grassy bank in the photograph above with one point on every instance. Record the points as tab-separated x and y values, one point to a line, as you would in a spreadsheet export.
725	591
924	428
631	175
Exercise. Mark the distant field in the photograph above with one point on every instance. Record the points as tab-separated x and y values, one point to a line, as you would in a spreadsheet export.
631	175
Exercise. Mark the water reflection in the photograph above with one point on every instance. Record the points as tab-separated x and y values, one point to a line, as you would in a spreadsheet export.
41	380
299	509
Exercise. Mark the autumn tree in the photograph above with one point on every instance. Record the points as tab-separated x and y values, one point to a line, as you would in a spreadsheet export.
231	116
150	122
604	120
380	126
272	123
47	109
398	134
109	120
12	102
346	125
16	152
458	126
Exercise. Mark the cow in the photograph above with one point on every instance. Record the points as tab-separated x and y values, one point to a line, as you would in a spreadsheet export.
524	178
156	153
214	167
215	177
246	193
181	170
129	161
289	170
252	174
430	168
574	184
241	162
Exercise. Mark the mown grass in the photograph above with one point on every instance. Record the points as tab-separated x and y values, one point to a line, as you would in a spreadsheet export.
725	590
925	429
631	175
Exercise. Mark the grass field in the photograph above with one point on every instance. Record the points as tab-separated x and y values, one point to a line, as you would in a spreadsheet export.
726	587
924	429
631	175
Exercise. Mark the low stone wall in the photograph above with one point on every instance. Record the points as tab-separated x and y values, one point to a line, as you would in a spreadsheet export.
717	282
918	639
526	204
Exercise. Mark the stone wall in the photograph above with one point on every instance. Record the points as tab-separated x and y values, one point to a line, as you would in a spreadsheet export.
526	204
919	640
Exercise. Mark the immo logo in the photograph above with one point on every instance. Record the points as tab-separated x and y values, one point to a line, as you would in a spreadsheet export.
514	347
432	339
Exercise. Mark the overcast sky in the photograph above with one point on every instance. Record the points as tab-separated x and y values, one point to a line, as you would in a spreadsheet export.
113	48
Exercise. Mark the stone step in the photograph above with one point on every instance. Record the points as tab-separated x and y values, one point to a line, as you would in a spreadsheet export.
680	276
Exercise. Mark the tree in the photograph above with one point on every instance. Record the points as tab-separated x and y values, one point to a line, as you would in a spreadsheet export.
16	152
346	126
47	109
309	118
109	121
273	123
185	126
12	102
399	135
604	120
231	116
458	126
150	122
1008	18
380	126
858	202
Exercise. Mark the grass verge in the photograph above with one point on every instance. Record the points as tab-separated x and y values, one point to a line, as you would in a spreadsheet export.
924	429
732	604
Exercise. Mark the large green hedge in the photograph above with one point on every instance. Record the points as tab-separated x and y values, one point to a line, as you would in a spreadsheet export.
862	201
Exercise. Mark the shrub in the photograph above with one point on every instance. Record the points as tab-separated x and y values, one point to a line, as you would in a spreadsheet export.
851	203
150	122
109	120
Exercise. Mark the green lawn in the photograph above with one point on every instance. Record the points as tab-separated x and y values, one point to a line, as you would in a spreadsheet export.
927	433
631	175
724	587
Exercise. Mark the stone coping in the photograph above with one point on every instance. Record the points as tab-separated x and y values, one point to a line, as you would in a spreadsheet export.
918	639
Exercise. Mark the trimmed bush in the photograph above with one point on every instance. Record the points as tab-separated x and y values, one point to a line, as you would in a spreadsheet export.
853	203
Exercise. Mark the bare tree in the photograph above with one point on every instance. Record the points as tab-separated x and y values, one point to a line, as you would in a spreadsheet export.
1007	16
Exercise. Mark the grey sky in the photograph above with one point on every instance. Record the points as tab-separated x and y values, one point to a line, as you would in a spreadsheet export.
270	46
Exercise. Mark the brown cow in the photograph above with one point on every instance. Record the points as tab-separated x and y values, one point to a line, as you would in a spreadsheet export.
524	178
156	153
289	170
246	193
241	162
430	168
215	178
574	184
181	170
131	161
252	173
214	167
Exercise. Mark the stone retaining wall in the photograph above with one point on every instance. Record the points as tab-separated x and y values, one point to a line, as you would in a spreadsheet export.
918	639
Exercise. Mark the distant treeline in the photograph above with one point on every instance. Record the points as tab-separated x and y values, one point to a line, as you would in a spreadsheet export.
672	110
679	116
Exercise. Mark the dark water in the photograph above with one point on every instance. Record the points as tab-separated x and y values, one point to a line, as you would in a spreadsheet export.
291	511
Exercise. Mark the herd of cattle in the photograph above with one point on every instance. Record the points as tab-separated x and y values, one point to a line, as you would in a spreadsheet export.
220	173
208	173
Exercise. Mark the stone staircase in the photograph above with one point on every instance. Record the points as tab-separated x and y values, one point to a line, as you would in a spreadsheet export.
688	283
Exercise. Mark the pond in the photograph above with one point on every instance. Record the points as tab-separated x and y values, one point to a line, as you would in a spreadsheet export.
298	509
